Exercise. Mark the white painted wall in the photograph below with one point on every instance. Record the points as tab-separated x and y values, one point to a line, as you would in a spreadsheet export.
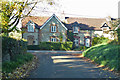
100	33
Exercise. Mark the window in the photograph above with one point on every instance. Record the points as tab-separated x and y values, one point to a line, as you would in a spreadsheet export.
76	42
53	39
30	27
75	30
53	28
87	42
105	27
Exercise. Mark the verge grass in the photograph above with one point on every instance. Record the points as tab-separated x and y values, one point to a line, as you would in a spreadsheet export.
105	54
17	61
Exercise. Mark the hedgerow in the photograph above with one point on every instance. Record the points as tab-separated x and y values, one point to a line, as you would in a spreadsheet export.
13	46
51	46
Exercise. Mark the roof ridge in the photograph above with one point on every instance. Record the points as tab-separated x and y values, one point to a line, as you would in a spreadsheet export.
87	18
38	16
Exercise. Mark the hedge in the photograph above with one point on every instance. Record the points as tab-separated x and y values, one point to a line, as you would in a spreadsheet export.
51	46
99	40
13	46
118	31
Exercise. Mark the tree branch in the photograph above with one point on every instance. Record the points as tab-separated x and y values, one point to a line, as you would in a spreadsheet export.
14	25
13	21
31	9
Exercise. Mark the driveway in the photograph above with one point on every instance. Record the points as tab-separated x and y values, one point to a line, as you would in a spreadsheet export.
58	64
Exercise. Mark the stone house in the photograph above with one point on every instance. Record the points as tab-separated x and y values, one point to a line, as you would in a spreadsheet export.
49	29
43	29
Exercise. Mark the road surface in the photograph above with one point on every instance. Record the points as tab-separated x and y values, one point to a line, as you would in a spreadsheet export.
61	64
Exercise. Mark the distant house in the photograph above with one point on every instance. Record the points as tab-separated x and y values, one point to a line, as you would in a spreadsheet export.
48	29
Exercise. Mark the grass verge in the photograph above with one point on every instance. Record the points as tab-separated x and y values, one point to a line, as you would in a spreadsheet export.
17	61
105	55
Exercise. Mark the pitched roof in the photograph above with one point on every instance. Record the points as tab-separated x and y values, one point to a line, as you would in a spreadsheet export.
83	23
86	23
39	21
56	19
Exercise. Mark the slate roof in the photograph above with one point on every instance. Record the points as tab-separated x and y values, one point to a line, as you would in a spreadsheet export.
83	23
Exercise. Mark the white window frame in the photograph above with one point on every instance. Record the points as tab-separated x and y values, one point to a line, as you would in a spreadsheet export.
53	40
75	30
87	42
53	28
30	27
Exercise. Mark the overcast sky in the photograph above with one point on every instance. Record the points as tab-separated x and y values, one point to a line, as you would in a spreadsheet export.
80	8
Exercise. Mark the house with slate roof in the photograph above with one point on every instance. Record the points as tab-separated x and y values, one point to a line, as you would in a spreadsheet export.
48	29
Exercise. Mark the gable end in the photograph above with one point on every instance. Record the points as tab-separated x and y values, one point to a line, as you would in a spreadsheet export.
56	19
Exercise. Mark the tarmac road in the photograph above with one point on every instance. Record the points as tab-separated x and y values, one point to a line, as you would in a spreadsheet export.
58	64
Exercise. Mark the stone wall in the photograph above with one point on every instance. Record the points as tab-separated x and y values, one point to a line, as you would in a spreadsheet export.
46	33
35	34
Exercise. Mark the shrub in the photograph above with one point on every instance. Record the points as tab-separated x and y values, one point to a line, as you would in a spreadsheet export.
13	46
66	46
51	46
118	31
99	40
70	36
80	48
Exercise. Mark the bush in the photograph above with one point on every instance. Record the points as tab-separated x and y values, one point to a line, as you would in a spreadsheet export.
81	48
16	62
51	46
13	46
118	31
99	40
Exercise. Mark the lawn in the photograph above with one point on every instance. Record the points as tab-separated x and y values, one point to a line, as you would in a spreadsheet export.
105	54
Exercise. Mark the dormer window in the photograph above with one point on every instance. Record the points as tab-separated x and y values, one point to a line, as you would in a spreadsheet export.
31	27
53	28
75	29
105	27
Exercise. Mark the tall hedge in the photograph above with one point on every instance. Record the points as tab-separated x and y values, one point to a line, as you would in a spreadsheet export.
51	46
118	31
13	46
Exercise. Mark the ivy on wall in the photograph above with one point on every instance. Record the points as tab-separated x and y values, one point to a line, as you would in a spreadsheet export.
61	37
70	36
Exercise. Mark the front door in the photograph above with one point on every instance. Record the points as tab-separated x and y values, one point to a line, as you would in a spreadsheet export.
76	42
30	40
87	42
